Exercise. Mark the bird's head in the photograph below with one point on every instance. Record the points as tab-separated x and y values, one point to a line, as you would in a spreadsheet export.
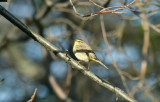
78	41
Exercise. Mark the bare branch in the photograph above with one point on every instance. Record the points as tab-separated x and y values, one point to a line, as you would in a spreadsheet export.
58	90
104	10
114	63
33	96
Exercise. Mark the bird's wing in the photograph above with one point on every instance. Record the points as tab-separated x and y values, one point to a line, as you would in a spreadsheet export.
89	51
92	55
84	47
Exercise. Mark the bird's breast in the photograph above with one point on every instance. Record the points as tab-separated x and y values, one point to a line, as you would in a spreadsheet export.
82	56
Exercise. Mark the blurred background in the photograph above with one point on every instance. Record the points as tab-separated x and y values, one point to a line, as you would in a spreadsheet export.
132	52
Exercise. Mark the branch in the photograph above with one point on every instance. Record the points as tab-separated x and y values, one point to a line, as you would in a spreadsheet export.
33	96
64	56
58	90
145	49
114	63
104	10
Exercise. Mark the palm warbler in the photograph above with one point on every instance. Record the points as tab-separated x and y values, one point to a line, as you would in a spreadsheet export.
83	52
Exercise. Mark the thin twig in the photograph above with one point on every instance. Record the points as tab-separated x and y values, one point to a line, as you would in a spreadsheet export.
58	90
154	27
146	42
109	52
130	76
68	80
104	10
96	4
145	45
33	96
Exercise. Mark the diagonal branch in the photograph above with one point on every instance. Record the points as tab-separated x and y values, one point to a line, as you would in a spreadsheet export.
33	96
114	63
64	56
58	90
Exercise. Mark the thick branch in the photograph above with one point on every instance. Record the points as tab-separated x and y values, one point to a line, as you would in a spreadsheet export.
64	56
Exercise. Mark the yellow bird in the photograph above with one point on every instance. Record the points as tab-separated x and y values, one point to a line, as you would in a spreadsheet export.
83	52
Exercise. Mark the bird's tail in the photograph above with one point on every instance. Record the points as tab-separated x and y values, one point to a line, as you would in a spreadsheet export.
97	60
102	64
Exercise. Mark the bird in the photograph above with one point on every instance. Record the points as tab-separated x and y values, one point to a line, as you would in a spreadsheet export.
84	53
